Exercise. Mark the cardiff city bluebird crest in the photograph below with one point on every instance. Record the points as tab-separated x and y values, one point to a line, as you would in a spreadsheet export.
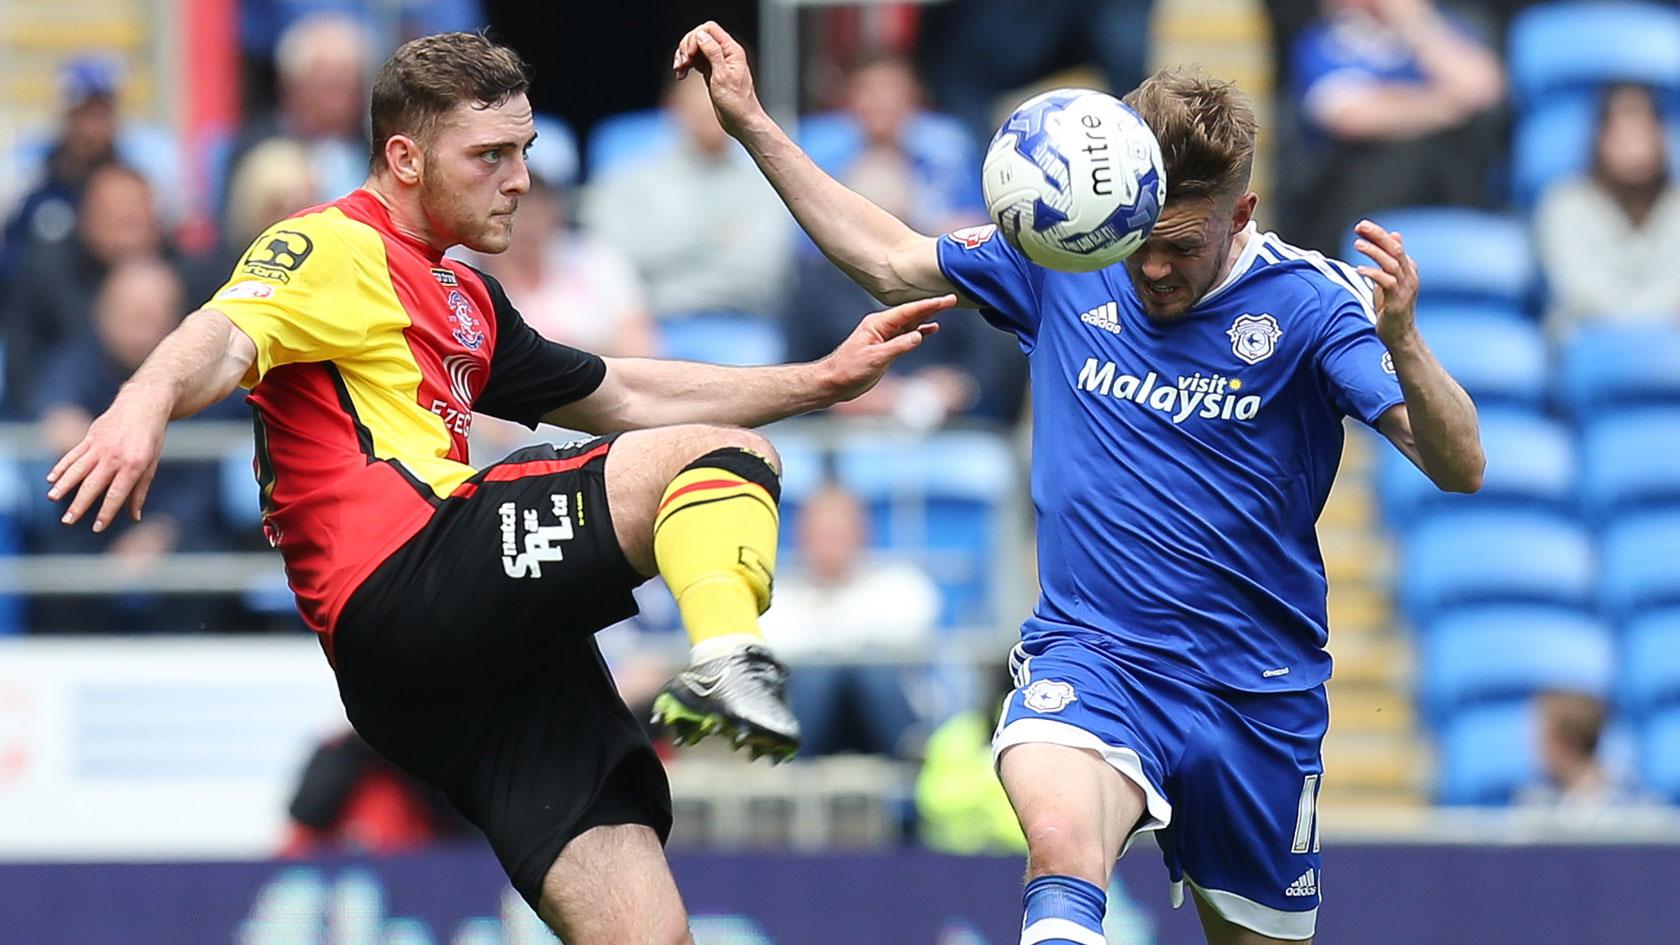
1254	337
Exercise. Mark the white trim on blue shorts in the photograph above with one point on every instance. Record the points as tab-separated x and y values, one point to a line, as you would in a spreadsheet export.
1124	760
1251	915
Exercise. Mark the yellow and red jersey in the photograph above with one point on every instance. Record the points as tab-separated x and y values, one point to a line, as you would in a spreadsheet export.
373	351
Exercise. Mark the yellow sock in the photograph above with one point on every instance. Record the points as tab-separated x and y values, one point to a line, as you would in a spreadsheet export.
714	541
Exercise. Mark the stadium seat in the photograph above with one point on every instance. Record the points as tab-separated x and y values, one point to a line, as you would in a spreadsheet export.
1650	679
1640	567
14	508
1499	360
240	498
1660	755
940	500
1478	556
1530	463
1630	459
1617	366
1561	47
1477	655
1488	754
554	155
733	338
626	138
1463	255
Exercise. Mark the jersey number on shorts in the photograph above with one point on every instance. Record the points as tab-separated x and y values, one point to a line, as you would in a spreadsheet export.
1306	818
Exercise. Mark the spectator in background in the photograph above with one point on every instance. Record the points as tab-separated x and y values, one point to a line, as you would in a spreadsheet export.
572	287
958	795
137	304
1398	102
839	623
86	138
50	300
1605	238
351	800
321	63
1571	724
273	181
979	50
700	224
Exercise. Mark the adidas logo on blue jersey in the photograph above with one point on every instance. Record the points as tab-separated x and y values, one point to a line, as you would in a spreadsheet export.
1304	885
1105	316
1212	397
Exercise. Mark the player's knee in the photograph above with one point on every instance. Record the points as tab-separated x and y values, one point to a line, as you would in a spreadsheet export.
1058	845
715	438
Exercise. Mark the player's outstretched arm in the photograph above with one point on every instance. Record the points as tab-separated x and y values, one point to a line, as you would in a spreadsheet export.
644	392
1436	427
874	248
198	364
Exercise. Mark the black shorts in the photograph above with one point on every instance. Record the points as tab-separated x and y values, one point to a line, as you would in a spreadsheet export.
468	659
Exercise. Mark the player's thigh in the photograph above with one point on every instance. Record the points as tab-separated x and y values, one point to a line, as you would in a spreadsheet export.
611	885
1221	931
1075	808
643	462
1244	836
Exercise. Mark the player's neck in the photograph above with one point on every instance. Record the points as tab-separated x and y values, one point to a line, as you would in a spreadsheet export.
406	217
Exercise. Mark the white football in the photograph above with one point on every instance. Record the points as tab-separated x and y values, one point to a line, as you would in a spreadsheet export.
1074	180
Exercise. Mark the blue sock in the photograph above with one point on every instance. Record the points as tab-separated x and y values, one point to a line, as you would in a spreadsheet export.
1063	910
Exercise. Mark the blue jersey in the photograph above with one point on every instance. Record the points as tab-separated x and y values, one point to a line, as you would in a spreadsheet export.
1179	469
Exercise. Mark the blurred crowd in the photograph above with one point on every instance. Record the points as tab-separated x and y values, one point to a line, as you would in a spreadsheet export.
651	234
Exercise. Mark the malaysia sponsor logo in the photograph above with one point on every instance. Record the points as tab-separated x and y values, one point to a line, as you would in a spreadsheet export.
1048	695
526	543
1304	885
1105	316
1209	396
283	254
973	237
1254	337
247	290
467	330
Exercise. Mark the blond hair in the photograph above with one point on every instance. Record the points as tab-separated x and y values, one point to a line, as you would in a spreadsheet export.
1206	129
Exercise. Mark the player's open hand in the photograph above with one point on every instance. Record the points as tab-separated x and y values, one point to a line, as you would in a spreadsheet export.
722	61
1394	278
116	460
879	340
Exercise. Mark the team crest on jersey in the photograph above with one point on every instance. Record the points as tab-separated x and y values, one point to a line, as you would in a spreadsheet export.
467	330
1254	337
973	237
1048	695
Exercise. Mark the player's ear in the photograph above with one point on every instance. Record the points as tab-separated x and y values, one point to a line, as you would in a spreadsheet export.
405	159
1243	211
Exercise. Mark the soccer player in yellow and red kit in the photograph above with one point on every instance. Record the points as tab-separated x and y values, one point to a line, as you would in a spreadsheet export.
457	605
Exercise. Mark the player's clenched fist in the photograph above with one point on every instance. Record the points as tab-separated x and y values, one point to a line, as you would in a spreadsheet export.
716	55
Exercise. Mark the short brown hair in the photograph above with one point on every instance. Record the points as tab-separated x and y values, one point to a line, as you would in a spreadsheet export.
1206	128
1575	719
427	77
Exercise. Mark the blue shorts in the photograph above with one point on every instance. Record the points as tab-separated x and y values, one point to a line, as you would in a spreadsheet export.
1230	778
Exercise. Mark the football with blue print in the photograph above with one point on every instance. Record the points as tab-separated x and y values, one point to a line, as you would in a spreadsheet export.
1074	180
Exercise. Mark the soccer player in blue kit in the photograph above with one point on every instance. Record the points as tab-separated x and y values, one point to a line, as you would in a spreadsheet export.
1187	424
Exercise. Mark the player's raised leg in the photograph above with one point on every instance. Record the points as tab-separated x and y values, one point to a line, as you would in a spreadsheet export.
698	504
612	886
1076	810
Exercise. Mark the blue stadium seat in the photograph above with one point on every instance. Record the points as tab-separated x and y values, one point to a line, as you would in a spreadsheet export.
626	138
1565	46
1477	655
1553	141
1478	556
1530	463
240	498
1489	754
554	155
1630	459
1499	360
14	510
940	500
723	338
1640	567
1660	755
1621	366
1650	679
1463	255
